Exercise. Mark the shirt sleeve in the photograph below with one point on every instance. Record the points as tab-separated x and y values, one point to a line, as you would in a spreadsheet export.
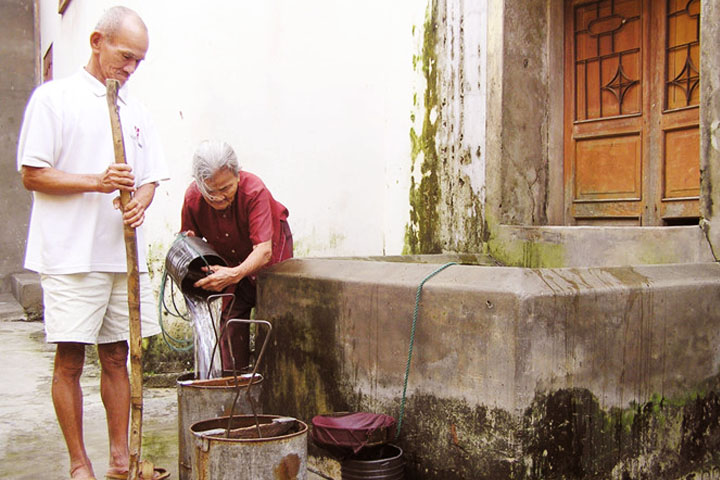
187	218
260	217
39	136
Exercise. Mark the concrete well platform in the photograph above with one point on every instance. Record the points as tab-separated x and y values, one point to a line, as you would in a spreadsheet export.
516	373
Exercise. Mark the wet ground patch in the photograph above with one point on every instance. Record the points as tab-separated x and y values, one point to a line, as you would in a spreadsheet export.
31	444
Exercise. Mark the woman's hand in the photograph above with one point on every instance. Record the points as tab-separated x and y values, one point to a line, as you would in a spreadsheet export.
220	278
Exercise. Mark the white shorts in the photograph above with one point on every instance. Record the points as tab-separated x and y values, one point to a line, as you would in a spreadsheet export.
93	307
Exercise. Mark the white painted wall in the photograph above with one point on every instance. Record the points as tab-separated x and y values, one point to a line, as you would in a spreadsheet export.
315	97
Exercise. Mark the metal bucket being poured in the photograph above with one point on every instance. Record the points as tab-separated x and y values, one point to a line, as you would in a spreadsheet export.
184	262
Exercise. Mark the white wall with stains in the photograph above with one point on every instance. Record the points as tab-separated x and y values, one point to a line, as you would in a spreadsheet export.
316	98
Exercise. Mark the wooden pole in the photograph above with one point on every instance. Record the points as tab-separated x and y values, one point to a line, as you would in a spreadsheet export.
133	276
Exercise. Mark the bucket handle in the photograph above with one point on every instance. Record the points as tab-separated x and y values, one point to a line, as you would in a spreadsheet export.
204	444
252	377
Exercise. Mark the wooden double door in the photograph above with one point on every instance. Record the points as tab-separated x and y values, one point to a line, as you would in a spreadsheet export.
632	94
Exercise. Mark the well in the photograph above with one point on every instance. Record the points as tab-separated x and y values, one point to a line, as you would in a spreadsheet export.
550	371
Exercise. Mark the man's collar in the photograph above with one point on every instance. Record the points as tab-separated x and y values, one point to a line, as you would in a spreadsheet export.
100	90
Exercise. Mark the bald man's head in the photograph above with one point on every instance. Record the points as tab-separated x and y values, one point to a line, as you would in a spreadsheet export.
119	43
113	19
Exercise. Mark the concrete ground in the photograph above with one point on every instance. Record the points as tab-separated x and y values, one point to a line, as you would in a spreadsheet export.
31	444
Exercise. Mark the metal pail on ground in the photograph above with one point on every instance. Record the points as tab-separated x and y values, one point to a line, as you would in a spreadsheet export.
184	262
201	399
218	458
378	463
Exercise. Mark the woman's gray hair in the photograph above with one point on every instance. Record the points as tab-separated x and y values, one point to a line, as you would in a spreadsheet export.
210	157
112	20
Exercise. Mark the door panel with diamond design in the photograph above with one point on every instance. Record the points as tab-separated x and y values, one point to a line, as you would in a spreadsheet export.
631	109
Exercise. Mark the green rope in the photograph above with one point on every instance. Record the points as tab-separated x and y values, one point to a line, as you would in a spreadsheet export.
412	341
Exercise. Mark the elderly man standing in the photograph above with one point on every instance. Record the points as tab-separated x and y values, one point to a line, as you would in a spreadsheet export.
75	239
238	216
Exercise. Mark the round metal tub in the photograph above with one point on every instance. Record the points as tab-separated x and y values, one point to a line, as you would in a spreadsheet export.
377	463
202	399
218	458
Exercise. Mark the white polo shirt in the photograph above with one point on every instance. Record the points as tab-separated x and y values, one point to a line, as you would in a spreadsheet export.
67	127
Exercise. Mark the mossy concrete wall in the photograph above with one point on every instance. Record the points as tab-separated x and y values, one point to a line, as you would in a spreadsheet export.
480	130
710	123
518	106
554	246
447	190
516	373
19	77
487	144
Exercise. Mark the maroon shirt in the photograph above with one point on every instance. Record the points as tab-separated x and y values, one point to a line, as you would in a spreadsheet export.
254	217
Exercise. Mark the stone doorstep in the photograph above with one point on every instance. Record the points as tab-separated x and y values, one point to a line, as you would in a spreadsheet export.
27	290
10	309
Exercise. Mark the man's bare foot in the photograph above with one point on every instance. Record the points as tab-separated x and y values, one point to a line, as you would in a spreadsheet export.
82	472
119	464
117	472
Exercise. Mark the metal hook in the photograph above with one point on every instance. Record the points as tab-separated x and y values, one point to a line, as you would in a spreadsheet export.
252	376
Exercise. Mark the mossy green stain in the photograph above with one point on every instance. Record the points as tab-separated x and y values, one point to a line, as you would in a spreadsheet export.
566	434
159	444
528	254
652	254
421	232
303	358
301	248
475	226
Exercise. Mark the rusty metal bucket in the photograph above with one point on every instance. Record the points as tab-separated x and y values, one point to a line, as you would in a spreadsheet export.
218	454
215	457
202	399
